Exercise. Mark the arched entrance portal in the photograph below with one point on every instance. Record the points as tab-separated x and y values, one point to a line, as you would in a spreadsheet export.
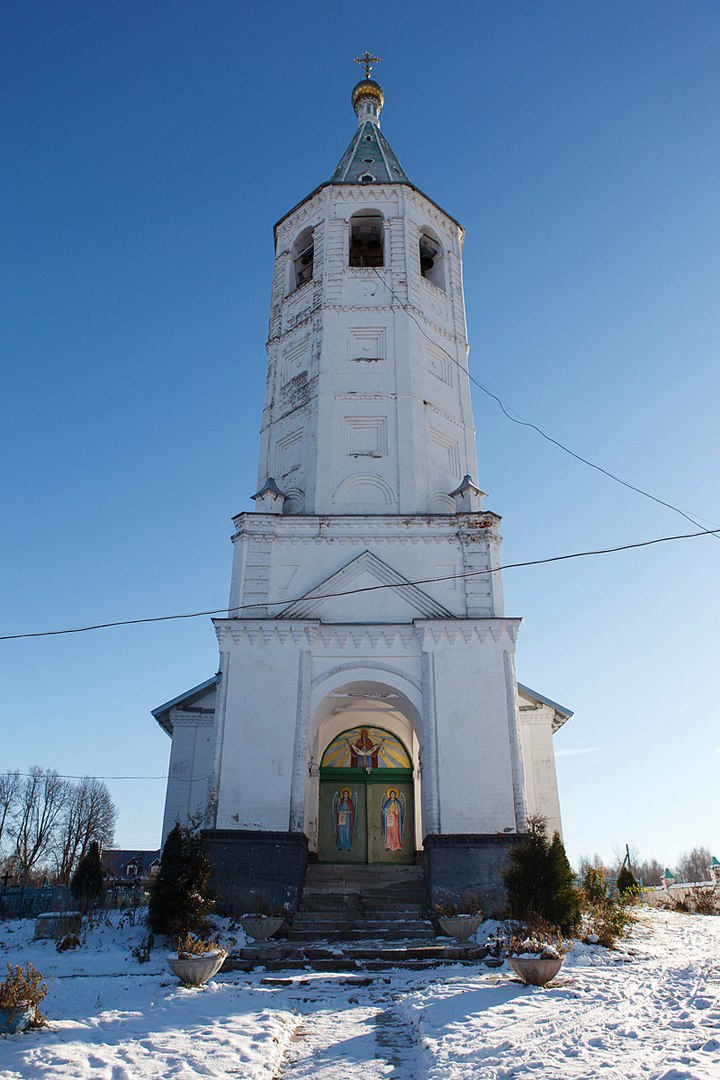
366	811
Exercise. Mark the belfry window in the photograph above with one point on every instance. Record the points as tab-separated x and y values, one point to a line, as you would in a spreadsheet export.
431	263
366	238
302	259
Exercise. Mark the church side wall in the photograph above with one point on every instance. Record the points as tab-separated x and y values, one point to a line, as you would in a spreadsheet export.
474	766
190	757
262	673
539	757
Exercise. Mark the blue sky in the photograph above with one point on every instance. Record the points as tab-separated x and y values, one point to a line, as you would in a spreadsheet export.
148	149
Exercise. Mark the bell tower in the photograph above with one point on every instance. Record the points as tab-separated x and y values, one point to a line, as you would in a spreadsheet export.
367	408
366	707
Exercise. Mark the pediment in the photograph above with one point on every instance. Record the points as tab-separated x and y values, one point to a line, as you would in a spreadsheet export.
366	590
531	699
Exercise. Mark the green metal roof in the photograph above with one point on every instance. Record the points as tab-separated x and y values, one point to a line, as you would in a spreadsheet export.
369	154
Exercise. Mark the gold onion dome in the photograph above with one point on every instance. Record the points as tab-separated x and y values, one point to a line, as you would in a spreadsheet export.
368	88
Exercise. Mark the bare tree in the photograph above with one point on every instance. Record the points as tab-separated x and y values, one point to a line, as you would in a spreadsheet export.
649	871
693	865
39	804
592	862
9	790
89	814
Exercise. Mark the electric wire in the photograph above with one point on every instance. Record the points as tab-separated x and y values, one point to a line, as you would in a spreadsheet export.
86	776
364	589
522	422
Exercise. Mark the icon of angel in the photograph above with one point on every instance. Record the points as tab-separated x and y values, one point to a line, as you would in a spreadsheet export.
393	819
344	813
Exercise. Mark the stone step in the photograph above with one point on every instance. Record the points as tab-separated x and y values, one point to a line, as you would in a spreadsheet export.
365	870
365	905
274	956
303	920
339	888
343	964
367	933
408	950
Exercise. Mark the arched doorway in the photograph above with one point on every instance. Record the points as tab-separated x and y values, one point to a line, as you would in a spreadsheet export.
366	808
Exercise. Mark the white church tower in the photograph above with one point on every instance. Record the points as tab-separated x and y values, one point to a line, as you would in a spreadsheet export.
366	707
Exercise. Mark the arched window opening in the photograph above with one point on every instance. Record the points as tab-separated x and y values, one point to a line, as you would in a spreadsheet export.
302	258
431	262
366	238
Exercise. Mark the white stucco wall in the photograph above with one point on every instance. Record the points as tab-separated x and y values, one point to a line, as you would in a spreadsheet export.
368	410
536	727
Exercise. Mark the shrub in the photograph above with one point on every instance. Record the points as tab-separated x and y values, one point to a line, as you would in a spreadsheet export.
70	941
540	880
88	885
469	903
625	881
697	900
23	989
192	945
536	938
141	952
594	887
605	919
180	902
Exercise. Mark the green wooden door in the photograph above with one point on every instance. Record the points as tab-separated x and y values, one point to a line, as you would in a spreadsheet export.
366	799
365	820
343	822
390	821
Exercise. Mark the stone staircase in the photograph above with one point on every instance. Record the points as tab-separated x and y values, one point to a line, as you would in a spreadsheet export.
365	918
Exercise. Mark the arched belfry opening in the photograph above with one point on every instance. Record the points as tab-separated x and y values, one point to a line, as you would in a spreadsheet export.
302	259
366	238
431	259
364	796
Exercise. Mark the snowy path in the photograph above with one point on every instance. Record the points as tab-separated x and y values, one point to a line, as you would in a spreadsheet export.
339	1034
649	1017
653	1013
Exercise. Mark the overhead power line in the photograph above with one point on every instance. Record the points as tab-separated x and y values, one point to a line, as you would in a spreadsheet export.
363	589
86	776
518	419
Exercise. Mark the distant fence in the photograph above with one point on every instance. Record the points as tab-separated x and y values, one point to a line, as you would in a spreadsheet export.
657	895
29	901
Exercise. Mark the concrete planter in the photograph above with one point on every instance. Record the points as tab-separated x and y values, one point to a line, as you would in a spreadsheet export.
57	924
460	926
535	970
14	1020
196	970
261	927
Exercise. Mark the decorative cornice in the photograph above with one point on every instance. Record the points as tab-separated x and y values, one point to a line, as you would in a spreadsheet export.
363	528
445	416
192	718
264	632
368	638
468	631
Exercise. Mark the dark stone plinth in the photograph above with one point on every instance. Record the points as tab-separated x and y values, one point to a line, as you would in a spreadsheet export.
462	863
256	872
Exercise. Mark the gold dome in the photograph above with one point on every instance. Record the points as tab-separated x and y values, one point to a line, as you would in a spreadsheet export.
368	88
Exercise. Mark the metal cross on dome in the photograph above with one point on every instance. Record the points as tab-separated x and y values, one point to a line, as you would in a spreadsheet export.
367	59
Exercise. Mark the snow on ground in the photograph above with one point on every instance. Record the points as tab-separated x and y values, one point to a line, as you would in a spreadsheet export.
651	1011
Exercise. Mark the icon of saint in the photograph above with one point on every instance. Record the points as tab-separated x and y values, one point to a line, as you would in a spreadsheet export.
344	810
393	819
364	752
